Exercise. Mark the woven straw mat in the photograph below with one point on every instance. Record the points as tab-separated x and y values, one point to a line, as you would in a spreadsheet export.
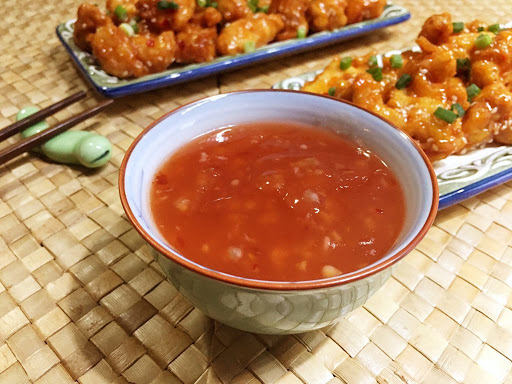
81	299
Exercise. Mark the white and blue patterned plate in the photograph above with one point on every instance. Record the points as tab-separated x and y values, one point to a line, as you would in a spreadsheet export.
459	176
111	86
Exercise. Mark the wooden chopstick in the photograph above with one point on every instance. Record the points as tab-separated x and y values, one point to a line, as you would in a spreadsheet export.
39	138
38	116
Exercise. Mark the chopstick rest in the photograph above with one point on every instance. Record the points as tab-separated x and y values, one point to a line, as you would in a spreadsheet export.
71	147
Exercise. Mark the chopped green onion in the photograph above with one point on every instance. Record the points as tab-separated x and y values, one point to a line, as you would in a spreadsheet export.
301	32
445	115
458	26
214	4
458	108
472	91
164	4
202	3
249	46
120	12
483	41
495	28
263	9
480	29
134	26
464	67
403	81
397	61
253	5
345	63
376	73
463	64
331	91
372	61
127	28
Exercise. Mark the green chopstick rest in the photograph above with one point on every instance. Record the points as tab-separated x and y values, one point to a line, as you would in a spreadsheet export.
70	147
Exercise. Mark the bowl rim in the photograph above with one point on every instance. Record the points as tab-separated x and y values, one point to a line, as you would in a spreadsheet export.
268	284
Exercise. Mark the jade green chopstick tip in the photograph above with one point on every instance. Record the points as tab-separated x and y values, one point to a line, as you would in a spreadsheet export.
71	147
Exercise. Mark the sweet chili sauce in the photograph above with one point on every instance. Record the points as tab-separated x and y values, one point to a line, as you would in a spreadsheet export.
277	201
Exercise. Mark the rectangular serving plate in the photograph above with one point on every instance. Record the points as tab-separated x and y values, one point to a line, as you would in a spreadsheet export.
459	176
111	86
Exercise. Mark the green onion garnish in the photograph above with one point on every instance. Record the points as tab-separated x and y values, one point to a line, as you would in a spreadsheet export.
397	61
464	67
463	64
164	4
458	26
134	26
301	32
331	91
263	9
372	61
445	115
376	73
249	46
202	3
495	28
345	63
214	4
253	5
458	109
403	81
472	91
120	12
127	28
483	41
480	29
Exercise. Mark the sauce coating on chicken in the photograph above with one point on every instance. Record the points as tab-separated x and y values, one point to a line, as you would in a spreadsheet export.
451	95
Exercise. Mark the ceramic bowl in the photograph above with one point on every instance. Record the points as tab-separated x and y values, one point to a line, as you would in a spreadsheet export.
267	306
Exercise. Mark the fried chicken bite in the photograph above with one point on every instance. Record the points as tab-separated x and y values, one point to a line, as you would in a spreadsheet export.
294	15
166	15
359	10
326	15
126	5
135	56
256	30
452	96
89	18
196	44
233	10
438	28
206	17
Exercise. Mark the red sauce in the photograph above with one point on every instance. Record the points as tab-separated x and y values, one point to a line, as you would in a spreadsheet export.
277	201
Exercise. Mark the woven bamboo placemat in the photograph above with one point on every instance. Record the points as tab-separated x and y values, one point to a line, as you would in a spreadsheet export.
82	300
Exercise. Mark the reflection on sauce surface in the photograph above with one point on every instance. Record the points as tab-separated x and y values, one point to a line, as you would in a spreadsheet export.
277	201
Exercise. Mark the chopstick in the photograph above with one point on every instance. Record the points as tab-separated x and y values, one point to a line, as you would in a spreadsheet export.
38	116
39	138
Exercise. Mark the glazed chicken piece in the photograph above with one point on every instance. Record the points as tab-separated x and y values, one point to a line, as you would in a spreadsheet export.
135	56
256	30
359	10
127	5
294	15
451	73
233	10
206	17
89	18
175	15
438	28
196	44
326	15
